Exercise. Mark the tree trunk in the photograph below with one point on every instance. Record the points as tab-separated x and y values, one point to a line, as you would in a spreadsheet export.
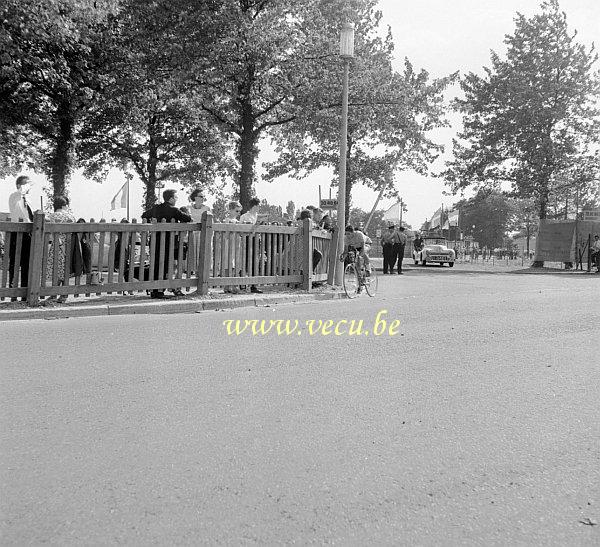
247	151
150	176
61	159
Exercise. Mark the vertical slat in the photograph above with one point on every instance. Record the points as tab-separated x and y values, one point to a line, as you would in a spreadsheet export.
254	254
17	263
143	242
182	239
55	252
46	247
286	255
243	253
153	236
133	238
238	255
161	257
230	253
111	256
279	254
171	257
222	251
68	247
261	247
6	263
206	237
269	252
100	257
191	257
124	239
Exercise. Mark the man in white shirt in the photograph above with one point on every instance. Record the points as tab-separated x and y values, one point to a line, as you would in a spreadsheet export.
19	209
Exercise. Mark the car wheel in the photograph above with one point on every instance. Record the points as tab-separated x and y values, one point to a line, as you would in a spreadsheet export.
424	262
450	264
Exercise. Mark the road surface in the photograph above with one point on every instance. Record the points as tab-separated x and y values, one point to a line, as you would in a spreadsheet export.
476	422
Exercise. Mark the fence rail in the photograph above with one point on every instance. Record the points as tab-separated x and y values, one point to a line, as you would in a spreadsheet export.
42	259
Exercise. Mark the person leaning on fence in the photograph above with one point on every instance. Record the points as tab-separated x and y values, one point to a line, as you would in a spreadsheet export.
168	212
58	244
234	209
251	217
20	209
595	249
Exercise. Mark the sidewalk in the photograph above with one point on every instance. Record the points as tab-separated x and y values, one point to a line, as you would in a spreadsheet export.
142	304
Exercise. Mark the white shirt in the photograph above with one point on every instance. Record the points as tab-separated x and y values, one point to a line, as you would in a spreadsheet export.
196	214
249	217
17	207
596	245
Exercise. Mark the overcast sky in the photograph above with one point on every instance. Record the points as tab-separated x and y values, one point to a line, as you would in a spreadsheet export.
440	36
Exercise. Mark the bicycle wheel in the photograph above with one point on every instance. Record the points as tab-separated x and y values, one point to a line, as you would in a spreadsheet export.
371	283
351	283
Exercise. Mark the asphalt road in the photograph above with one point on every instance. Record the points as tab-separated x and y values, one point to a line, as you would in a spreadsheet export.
477	423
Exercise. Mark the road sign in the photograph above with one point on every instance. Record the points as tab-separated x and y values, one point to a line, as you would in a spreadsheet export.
329	203
591	214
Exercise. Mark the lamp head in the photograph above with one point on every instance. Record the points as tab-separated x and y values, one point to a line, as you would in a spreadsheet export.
347	41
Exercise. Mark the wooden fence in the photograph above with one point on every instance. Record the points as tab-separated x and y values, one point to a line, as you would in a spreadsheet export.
43	259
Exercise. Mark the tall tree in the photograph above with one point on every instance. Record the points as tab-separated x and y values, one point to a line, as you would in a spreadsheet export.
486	217
50	53
147	119
390	114
533	115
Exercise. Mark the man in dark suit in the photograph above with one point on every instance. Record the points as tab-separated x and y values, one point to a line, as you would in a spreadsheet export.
168	212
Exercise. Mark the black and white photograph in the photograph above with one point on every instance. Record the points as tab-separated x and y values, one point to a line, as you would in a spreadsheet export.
300	272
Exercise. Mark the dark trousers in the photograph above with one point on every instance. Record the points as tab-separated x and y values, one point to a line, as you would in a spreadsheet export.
389	258
24	261
399	252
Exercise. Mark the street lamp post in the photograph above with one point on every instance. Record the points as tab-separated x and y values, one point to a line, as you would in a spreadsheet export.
346	53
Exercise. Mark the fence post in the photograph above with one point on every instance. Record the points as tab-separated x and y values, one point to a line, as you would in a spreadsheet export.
307	262
34	282
333	258
205	246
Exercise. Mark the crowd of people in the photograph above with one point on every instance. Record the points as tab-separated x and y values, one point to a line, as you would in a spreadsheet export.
393	240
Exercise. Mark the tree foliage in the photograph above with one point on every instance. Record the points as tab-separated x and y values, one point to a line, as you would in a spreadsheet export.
160	129
533	117
390	114
51	52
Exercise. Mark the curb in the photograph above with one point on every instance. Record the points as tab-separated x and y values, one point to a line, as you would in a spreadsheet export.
175	306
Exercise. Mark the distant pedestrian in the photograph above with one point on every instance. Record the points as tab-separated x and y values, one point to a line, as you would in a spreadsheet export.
389	239
399	248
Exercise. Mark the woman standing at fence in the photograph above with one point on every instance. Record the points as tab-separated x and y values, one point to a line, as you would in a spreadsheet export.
58	244
234	209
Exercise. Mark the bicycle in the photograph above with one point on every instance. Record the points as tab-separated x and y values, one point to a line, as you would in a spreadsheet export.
355	275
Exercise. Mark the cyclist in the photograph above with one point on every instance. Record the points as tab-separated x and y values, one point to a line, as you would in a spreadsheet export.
356	239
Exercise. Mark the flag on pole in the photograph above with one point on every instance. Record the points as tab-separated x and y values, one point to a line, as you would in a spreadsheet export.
120	199
453	217
436	219
393	213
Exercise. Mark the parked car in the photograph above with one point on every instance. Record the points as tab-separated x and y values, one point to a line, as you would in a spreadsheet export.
434	250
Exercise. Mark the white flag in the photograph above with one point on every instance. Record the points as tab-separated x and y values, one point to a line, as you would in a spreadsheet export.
120	199
393	213
453	218
436	219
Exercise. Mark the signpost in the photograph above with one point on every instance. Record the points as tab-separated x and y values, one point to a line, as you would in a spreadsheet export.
328	203
591	214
